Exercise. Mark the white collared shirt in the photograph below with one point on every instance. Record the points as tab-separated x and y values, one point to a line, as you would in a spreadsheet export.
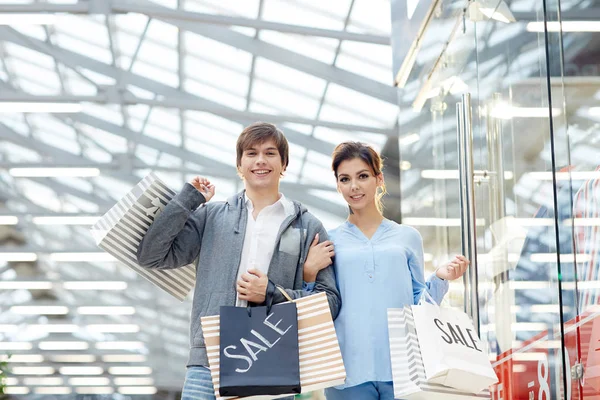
260	237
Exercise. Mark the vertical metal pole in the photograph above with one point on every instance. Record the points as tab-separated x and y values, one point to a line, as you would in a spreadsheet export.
496	165
503	297
464	223
467	205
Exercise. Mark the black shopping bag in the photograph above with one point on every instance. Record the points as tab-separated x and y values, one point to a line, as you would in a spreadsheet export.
259	350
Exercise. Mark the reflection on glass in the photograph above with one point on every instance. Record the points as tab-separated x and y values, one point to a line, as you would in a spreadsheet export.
535	123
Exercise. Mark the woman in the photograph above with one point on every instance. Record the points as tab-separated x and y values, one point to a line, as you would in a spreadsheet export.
379	265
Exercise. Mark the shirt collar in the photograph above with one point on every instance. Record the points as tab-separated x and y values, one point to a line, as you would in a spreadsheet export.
288	205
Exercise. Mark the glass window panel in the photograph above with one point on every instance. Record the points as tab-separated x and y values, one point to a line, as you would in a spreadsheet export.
165	119
83	47
155	73
202	133
109	141
16	153
44	123
94	31
134	24
139	111
261	108
374	112
76	84
35	57
147	155
95	77
244	30
322	49
142	93
216	95
371	16
291	78
164	135
301	128
109	112
166	3
168	161
208	73
212	121
336	137
163	33
294	168
214	152
40	195
61	142
248	9
283	100
16	124
213	50
34	31
280	12
33	86
370	60
95	153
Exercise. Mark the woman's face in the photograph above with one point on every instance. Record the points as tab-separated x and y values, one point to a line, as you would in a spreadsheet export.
358	184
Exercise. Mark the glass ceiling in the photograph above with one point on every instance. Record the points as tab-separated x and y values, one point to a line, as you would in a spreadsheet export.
165	87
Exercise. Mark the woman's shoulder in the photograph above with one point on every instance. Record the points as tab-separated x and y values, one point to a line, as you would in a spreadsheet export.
404	234
402	229
335	232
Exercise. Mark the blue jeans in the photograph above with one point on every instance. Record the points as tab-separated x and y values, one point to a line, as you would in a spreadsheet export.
198	385
364	391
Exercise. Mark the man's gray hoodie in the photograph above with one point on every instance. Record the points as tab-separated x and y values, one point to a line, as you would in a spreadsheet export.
213	235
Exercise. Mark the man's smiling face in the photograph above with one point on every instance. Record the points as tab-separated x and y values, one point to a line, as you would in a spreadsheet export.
261	166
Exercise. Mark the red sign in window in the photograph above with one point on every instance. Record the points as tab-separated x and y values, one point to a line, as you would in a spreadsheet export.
524	373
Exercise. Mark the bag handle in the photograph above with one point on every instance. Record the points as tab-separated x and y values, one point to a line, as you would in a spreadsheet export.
284	293
427	296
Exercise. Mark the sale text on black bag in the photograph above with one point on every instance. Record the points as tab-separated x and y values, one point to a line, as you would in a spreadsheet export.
253	346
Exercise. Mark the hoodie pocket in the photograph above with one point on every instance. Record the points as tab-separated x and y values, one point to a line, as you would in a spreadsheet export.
202	305
212	303
291	241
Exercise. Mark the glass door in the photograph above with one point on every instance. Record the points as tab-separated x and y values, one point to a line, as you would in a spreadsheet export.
485	144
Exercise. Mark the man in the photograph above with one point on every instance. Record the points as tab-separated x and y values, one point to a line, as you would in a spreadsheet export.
249	247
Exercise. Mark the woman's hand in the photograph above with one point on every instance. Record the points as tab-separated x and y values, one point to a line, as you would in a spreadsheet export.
204	186
454	269
318	258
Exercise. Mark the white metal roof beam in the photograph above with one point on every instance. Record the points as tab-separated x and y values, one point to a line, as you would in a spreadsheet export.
75	61
291	59
198	104
196	17
164	12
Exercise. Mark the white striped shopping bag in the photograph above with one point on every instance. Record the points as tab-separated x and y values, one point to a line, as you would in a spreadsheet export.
120	231
321	364
408	372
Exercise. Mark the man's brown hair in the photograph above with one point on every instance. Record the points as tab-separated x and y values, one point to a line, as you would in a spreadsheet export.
258	133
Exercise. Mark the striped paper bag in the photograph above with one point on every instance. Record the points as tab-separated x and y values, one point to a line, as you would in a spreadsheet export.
408	372
120	231
321	364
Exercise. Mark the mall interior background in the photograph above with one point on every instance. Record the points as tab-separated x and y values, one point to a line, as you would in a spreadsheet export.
486	112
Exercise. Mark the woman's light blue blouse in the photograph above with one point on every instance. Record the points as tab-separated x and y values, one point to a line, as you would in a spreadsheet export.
373	275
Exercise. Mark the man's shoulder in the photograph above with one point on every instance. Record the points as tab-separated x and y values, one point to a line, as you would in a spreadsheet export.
213	209
310	219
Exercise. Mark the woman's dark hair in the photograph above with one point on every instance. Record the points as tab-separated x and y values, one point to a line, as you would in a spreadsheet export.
350	150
